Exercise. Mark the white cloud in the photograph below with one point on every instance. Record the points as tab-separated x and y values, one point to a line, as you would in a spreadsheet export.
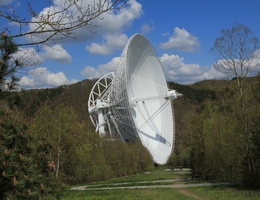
181	40
112	25
147	28
109	67
56	52
91	72
165	34
115	22
175	68
178	71
96	48
113	42
251	67
28	56
108	23
42	78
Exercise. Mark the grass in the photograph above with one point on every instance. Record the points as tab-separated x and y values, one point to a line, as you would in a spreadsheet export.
216	192
130	184
142	177
224	192
126	194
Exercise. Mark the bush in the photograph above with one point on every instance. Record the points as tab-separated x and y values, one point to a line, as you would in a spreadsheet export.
23	174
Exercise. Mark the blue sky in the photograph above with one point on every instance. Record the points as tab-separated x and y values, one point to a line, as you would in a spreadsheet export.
182	32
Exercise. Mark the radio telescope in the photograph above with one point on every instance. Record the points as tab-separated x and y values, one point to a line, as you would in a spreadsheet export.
135	102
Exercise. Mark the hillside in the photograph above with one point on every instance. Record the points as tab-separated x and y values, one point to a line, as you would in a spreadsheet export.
76	96
209	120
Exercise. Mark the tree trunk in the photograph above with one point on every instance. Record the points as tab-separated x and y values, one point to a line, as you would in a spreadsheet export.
59	150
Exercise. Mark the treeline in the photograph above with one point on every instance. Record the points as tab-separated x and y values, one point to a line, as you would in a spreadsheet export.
220	138
78	154
184	108
47	140
209	133
39	155
76	96
198	95
60	115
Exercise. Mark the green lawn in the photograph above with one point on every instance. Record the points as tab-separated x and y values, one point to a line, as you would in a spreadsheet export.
126	194
149	176
216	192
223	192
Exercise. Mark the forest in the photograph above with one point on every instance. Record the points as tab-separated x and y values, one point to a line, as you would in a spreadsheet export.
209	133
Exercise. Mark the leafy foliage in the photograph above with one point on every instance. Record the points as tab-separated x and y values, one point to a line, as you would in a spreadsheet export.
78	154
198	95
236	55
215	134
24	172
252	178
209	133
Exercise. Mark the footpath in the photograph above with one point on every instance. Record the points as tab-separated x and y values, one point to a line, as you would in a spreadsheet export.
173	185
178	183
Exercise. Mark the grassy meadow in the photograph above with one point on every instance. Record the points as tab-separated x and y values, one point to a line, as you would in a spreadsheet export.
161	177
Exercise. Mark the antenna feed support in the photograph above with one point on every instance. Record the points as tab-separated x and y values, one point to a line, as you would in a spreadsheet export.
172	94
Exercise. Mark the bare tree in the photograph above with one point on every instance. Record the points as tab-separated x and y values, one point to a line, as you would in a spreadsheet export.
52	25
57	23
236	54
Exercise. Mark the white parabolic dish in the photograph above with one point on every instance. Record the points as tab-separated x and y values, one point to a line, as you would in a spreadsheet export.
140	101
157	132
144	79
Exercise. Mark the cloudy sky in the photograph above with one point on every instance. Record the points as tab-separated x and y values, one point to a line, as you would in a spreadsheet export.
182	32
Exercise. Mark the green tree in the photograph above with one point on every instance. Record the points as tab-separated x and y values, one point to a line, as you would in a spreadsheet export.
217	151
197	155
22	175
252	179
236	52
66	133
8	65
83	163
224	152
142	157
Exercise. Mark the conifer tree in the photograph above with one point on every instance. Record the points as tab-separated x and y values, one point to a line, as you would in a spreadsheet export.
24	169
8	65
24	173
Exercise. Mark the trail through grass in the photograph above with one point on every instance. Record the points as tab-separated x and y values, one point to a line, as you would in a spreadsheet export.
159	178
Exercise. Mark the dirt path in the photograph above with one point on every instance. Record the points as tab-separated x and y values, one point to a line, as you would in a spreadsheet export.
189	194
176	185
